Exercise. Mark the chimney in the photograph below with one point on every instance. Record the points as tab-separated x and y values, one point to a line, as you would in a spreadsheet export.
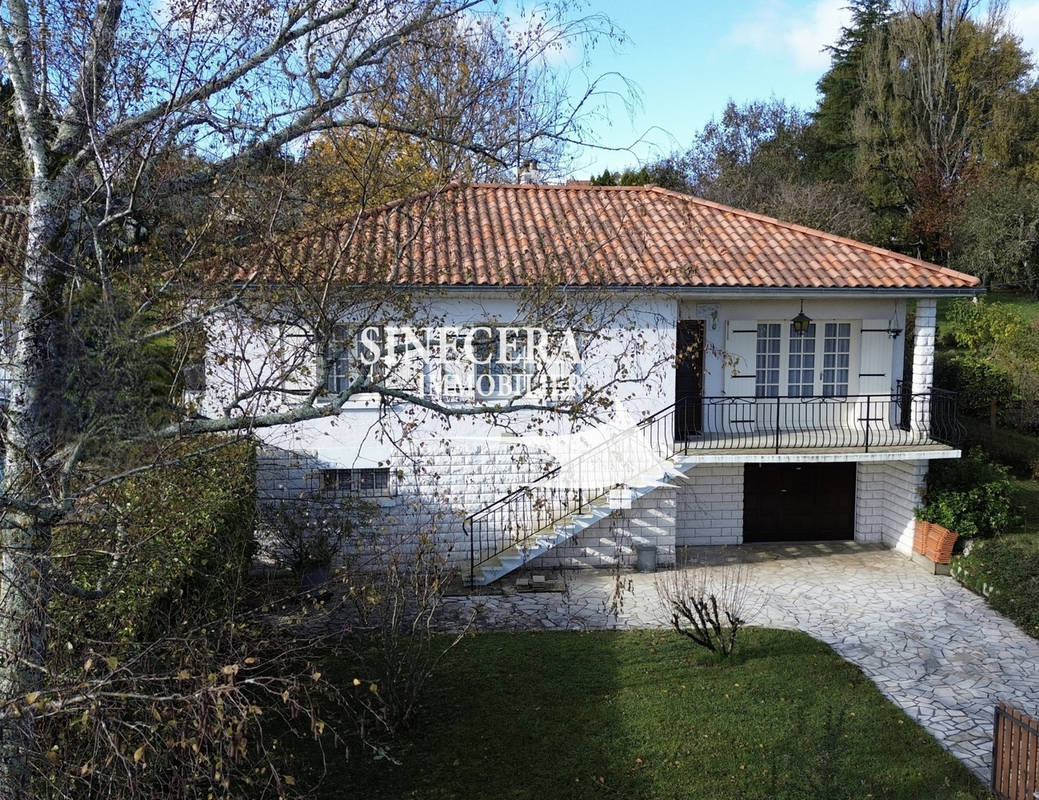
529	172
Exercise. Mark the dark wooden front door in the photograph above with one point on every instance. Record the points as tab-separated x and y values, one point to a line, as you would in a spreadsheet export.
689	343
798	502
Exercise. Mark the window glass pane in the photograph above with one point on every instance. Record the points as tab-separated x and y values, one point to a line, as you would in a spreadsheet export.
836	359
495	378
800	378
357	482
341	361
768	350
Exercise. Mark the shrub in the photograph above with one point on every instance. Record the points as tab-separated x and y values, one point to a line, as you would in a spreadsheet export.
315	531
708	605
1017	450
997	360
970	496
186	534
977	381
1006	571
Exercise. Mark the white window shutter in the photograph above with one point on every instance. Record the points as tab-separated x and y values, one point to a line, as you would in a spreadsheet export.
875	357
300	355
741	347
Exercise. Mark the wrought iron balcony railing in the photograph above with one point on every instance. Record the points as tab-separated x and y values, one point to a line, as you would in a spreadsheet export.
859	423
850	422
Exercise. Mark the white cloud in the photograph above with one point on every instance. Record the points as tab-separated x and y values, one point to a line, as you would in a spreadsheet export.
807	39
1023	17
799	33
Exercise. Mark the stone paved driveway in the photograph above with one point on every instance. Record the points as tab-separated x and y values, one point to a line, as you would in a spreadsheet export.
934	648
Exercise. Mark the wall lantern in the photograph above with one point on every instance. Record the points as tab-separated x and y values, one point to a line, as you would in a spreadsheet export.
892	331
801	321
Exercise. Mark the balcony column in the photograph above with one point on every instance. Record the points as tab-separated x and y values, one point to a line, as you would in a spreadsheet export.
923	363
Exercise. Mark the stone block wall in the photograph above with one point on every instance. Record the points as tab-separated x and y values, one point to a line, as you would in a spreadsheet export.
710	505
432	494
886	494
923	345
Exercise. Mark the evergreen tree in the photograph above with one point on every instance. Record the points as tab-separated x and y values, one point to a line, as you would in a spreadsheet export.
840	91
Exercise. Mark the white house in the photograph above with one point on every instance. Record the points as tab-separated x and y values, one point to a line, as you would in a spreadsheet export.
781	375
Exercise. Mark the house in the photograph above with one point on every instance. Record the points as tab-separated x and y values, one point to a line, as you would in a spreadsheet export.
782	376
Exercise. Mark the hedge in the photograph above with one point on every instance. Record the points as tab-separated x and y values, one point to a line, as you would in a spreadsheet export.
1006	571
190	535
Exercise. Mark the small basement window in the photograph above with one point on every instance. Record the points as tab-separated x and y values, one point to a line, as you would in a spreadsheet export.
357	482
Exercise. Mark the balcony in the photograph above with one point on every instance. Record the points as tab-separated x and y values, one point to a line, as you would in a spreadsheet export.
899	421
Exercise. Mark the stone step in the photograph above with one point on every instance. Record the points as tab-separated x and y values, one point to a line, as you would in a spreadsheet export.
544	540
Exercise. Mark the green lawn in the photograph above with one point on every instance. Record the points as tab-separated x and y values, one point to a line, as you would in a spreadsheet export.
1026	501
644	715
1022	303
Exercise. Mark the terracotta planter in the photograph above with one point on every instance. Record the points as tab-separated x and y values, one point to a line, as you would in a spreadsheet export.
934	541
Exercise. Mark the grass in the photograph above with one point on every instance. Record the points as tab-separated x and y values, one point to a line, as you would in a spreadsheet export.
645	715
1021	302
1025	498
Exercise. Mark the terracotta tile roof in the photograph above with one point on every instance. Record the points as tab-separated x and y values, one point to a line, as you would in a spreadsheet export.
575	234
509	235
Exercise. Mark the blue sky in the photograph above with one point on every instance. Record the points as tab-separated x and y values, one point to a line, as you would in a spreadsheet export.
689	58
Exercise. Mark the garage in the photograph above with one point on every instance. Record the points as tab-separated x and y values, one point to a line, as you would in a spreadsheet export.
798	502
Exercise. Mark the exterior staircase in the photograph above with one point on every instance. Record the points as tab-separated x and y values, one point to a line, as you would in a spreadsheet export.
526	549
534	519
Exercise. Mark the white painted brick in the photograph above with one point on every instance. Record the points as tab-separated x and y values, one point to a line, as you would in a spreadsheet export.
887	514
710	505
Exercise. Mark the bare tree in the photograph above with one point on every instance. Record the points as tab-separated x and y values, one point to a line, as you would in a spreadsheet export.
128	111
932	77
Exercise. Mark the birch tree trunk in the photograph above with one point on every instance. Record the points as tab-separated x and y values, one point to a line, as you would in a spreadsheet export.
26	530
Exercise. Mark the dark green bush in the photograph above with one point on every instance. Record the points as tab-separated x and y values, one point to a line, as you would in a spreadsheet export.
970	495
1006	571
1019	451
977	382
188	534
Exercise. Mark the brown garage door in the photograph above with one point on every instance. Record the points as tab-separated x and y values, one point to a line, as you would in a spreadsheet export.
798	502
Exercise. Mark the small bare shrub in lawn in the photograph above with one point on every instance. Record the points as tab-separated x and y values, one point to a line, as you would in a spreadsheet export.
389	602
709	605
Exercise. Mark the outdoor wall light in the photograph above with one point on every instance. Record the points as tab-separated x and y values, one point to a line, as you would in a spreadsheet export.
801	321
892	323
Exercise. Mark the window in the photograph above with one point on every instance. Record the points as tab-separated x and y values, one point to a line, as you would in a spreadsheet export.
836	359
818	363
800	376
357	482
338	360
500	374
350	355
767	382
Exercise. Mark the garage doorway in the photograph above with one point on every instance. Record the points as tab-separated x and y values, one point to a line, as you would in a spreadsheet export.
798	502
